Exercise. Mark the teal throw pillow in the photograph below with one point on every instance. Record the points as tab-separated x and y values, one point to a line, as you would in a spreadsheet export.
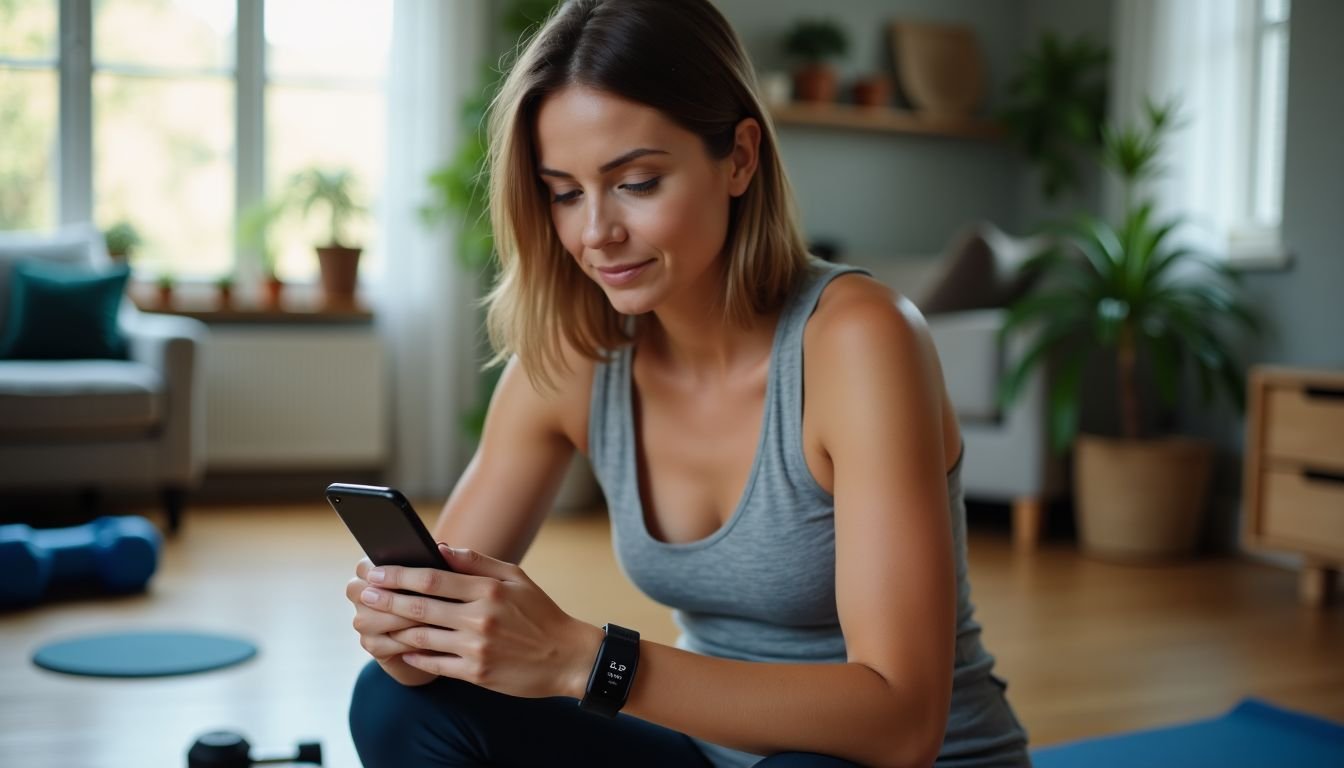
63	312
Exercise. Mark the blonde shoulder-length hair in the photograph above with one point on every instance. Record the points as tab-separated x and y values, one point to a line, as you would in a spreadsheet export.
683	59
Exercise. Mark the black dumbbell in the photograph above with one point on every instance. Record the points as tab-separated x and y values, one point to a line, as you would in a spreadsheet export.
226	749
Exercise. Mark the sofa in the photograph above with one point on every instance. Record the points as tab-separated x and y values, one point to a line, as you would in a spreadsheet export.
964	293
94	424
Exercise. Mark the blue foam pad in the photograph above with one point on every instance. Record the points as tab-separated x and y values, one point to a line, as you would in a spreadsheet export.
143	654
1255	733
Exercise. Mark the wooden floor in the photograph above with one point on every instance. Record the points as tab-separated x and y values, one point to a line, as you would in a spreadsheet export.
1087	647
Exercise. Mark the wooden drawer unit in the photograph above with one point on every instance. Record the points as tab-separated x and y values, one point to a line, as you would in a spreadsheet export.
1294	474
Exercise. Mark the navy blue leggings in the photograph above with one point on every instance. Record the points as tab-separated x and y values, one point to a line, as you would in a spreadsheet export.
452	723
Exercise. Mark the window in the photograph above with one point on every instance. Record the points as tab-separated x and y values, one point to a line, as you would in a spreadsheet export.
1224	65
29	95
1261	212
325	108
193	110
163	129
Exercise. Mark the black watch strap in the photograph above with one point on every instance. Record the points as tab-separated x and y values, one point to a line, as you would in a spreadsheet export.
613	672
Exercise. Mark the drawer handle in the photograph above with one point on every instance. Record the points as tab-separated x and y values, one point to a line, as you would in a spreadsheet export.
1316	475
1325	393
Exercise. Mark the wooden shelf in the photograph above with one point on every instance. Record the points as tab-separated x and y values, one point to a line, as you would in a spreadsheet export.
257	315
885	120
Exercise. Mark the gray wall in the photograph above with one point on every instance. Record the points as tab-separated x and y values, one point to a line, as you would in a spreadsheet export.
889	196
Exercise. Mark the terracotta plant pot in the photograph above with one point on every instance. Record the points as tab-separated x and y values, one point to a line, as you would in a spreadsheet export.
225	297
1140	500
814	83
165	296
340	269
272	290
874	91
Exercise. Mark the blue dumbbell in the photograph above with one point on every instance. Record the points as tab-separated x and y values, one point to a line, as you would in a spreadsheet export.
119	554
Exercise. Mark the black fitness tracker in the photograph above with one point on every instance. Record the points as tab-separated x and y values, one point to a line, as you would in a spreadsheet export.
613	672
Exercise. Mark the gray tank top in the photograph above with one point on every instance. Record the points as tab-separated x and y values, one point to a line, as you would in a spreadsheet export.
746	592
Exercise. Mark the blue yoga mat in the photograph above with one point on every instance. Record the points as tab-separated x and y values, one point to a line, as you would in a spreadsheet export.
143	654
1254	734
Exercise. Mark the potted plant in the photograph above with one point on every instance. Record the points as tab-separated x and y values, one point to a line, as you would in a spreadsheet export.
165	285
872	90
224	286
338	258
1152	306
121	239
815	42
1055	109
253	232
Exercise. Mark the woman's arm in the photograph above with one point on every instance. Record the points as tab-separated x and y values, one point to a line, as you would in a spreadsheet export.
528	441
881	407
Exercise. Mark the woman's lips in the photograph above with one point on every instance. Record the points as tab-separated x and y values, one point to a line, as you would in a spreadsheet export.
622	274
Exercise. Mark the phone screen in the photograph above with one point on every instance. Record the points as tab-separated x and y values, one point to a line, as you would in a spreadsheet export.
385	525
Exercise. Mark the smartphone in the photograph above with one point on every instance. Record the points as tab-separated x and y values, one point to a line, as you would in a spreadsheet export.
385	525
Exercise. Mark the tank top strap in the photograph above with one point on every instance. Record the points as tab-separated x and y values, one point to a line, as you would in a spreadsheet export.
787	363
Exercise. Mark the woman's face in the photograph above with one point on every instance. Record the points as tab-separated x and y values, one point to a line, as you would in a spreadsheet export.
635	198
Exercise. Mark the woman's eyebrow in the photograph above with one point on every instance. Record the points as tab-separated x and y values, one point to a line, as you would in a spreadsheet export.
633	154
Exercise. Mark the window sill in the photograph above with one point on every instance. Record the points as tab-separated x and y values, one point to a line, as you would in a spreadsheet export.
264	316
1267	258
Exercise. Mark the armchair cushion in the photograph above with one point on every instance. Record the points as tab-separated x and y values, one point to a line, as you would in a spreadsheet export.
77	244
69	398
979	270
62	312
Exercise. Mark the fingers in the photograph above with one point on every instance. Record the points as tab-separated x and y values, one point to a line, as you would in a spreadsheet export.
467	561
417	609
436	640
362	568
434	582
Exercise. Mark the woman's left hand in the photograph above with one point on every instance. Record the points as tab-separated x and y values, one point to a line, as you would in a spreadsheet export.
504	633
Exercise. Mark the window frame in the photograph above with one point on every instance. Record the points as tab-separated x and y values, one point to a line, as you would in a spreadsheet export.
1251	243
75	70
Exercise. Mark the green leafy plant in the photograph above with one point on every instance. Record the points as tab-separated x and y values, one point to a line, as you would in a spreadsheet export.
333	190
1055	109
166	281
816	40
254	226
121	238
1129	290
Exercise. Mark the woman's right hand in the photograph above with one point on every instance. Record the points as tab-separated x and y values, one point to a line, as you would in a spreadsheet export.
374	626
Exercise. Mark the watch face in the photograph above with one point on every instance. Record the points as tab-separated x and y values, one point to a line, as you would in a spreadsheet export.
618	666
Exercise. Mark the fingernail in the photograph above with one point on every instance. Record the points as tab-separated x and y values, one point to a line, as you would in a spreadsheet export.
376	576
369	596
445	548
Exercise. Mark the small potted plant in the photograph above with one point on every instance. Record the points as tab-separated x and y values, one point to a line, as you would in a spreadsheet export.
121	239
335	191
815	42
253	232
224	286
165	285
872	90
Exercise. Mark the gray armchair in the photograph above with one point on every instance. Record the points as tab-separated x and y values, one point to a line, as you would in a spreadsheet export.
95	424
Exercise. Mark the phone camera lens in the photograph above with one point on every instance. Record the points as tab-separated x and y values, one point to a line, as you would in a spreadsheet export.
336	499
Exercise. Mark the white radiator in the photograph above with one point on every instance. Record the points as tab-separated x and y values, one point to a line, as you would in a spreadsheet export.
295	398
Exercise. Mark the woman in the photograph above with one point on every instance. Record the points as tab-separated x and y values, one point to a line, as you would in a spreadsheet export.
660	313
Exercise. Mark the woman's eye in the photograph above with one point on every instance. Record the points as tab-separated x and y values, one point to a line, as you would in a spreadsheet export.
561	198
643	187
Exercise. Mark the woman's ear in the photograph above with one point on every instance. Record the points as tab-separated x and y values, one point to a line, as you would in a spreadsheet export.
745	156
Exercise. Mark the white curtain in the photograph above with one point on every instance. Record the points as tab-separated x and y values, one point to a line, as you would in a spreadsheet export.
424	300
1197	52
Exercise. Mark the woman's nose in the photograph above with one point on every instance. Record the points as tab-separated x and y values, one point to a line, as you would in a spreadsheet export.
602	228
